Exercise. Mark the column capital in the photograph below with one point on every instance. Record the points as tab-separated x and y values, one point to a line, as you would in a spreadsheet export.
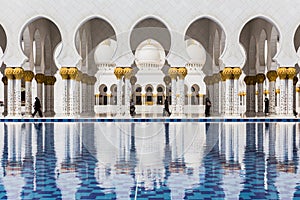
260	78
236	71
40	78
282	72
227	73
127	72
250	80
172	72
119	72
73	73
216	77
9	72
50	80
18	73
291	72
272	75
182	72
28	76
64	73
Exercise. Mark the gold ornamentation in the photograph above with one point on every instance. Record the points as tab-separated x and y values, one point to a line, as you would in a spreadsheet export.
28	76
260	78
227	73
64	73
127	72
79	77
173	72
250	80
272	75
9	72
277	91
50	80
282	72
40	78
18	73
298	89
236	71
119	72
223	77
73	73
291	72
4	80
182	72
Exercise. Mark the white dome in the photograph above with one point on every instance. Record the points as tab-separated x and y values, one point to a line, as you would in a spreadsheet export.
104	52
148	53
196	53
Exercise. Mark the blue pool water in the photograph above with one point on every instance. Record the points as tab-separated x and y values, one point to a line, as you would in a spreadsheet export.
122	160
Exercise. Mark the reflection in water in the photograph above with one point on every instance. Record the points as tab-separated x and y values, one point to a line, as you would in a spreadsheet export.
149	160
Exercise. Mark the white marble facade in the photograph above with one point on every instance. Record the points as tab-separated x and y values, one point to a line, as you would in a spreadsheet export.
81	43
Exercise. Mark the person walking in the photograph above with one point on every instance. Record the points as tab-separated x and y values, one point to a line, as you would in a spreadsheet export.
207	107
166	108
37	107
266	106
132	108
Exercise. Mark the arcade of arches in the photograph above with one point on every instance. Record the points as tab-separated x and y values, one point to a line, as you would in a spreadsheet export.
102	68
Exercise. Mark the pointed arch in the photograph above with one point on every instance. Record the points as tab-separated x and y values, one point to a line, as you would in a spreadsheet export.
261	47
216	48
38	48
252	53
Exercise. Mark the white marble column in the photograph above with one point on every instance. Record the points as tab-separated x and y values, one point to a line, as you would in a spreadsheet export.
73	74
18	74
84	81
65	100
228	76
282	73
272	76
260	101
173	75
236	100
223	93
127	76
40	78
9	73
119	72
182	72
28	76
92	82
291	72
250	96
4	80
216	79
77	92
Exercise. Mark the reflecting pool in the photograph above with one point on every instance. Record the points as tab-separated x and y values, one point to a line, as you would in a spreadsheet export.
149	160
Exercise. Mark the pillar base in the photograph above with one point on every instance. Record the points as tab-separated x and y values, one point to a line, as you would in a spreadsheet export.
49	114
250	114
260	114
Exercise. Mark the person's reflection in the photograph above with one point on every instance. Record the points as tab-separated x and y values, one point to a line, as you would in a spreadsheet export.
46	163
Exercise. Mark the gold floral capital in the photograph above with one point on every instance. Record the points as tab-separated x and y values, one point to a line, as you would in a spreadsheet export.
64	73
127	72
9	72
282	72
119	72
260	78
73	73
250	80
236	71
182	72
18	73
272	75
50	80
291	72
227	73
40	78
172	72
28	76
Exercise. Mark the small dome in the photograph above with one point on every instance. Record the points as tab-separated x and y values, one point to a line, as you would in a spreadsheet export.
150	52
104	52
196	52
